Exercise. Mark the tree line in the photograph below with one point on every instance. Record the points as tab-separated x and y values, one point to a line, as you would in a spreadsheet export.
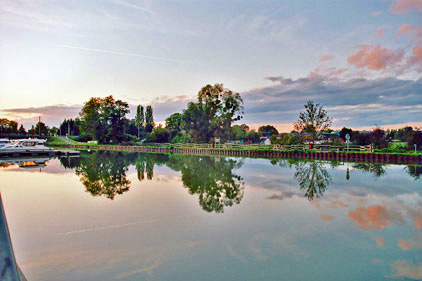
208	119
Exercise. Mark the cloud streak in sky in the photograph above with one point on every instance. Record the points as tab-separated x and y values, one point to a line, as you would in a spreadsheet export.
119	53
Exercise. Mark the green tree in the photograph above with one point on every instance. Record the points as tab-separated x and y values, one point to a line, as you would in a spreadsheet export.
139	119
149	119
253	136
39	129
312	120
8	126
90	116
344	131
104	119
217	108
70	126
414	138
238	132
22	130
378	138
159	134
174	125
267	129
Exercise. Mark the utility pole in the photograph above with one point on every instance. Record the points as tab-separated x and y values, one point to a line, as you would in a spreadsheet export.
68	128
39	125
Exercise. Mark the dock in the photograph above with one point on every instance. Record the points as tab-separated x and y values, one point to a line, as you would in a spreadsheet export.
51	153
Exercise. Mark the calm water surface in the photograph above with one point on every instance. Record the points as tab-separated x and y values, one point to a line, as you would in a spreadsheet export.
111	216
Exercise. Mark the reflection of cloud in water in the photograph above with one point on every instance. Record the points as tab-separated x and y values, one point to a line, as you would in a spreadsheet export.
326	217
407	269
284	194
379	240
375	217
410	244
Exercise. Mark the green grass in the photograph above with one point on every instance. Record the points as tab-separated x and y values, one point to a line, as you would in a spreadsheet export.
73	141
398	145
55	141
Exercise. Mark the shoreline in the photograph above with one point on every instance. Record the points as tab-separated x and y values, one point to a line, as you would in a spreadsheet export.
353	156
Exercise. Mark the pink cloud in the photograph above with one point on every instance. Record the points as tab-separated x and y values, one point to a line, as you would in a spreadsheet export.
326	57
415	60
326	72
377	13
413	31
379	33
375	57
405	6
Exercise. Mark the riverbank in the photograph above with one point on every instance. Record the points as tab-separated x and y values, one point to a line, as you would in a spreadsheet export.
351	156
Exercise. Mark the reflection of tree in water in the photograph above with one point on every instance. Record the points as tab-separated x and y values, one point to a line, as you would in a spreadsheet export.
415	171
71	162
144	163
104	173
376	169
212	179
313	178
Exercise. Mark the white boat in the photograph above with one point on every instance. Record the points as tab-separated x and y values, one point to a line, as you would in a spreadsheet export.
4	142
26	145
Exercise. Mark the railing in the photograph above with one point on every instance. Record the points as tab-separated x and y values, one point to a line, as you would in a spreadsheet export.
317	147
251	147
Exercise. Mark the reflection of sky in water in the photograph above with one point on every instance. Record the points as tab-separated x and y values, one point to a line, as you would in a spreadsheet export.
364	228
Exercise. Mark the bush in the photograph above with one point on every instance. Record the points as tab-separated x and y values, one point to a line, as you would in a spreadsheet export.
82	138
131	139
415	138
181	139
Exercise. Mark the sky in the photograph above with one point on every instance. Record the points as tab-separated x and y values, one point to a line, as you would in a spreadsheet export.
361	60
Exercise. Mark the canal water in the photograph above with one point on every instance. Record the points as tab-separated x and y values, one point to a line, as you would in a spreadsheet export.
123	216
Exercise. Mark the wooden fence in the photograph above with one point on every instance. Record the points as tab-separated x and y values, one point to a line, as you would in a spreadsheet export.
317	147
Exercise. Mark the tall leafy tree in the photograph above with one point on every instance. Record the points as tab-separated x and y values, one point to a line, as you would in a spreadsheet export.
8	126
139	119
312	120
149	119
105	119
217	108
174	125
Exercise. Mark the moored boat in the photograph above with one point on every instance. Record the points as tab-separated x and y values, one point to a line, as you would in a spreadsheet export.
4	142
26	145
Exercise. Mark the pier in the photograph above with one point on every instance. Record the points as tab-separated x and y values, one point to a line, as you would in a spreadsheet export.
51	153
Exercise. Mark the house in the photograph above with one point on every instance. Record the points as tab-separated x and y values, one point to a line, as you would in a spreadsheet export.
265	141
